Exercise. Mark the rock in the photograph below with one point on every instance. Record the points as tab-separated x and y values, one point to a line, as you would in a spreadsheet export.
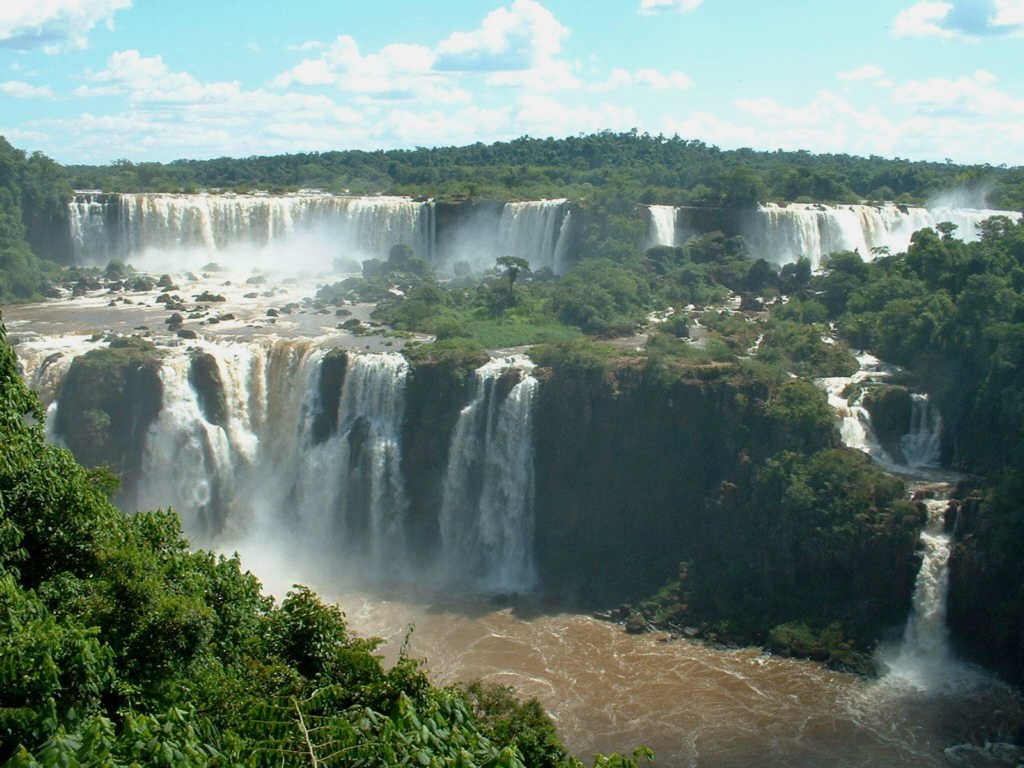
207	297
250	296
273	312
204	377
186	333
635	624
167	283
108	400
175	321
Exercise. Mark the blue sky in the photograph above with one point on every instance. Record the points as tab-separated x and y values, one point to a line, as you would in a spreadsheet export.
97	80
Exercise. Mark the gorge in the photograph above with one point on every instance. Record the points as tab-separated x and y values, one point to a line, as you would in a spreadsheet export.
678	438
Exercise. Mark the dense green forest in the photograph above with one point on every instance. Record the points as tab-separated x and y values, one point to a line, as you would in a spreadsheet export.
121	646
34	192
637	166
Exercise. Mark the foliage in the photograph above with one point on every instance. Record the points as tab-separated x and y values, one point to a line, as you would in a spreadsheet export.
33	195
597	169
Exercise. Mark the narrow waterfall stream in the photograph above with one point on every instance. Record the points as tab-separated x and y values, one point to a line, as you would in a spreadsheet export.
486	514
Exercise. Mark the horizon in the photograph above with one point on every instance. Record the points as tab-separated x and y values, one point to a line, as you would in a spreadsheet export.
89	82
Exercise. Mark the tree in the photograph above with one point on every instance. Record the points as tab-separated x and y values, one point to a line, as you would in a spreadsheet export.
512	266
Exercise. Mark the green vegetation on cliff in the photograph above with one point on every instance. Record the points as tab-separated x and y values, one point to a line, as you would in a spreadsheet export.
953	314
33	198
120	646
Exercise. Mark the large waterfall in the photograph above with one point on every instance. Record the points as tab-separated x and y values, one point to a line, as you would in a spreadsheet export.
126	226
487	510
537	231
308	230
245	456
291	450
782	234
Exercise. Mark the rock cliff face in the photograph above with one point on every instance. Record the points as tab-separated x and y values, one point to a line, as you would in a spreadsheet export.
644	473
986	582
624	463
717	488
108	400
436	392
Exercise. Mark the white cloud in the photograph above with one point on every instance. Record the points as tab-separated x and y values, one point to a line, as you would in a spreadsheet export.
309	45
968	20
866	72
21	90
647	78
924	19
147	78
396	71
515	46
648	7
1009	13
963	97
521	36
53	24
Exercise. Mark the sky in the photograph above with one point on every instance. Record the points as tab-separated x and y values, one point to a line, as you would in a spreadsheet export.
93	81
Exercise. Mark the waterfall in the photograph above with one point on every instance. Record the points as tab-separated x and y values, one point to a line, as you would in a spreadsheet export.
129	225
662	225
783	234
855	428
370	501
926	634
487	510
260	475
537	231
923	658
921	446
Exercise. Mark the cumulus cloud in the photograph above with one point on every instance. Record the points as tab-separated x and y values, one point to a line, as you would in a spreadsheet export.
519	46
649	7
645	78
923	19
148	78
1009	13
964	19
21	90
522	36
964	97
397	71
514	46
53	24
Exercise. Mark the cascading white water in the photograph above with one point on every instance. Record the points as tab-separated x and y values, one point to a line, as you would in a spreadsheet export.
487	510
923	658
260	476
370	504
662	228
106	226
537	231
783	234
922	445
926	633
855	428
